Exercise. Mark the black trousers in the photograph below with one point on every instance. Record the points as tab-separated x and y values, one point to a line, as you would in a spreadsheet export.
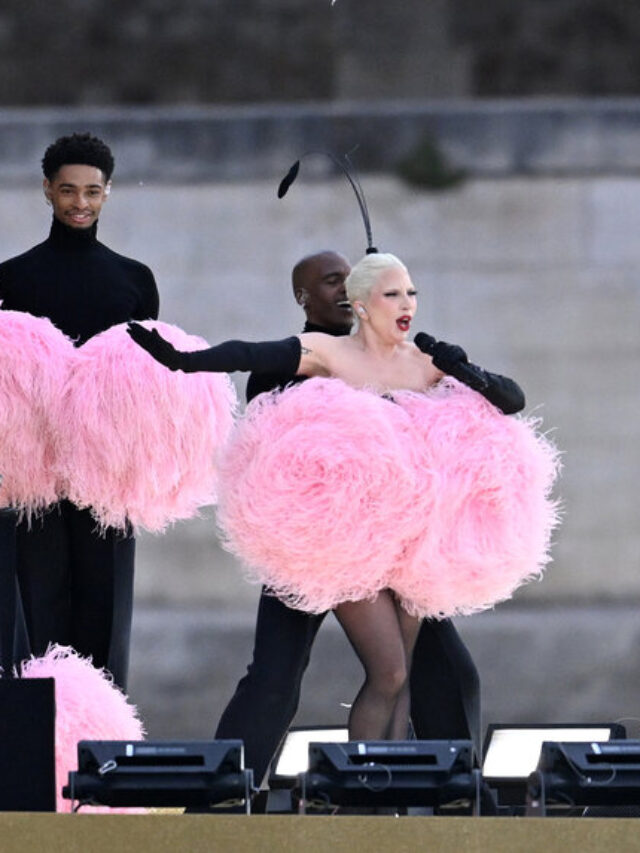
14	644
445	688
76	587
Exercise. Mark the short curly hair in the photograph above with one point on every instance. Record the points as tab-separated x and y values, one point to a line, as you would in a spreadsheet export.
78	149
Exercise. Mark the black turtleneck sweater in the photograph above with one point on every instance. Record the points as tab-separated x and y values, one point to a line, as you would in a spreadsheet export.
78	283
259	383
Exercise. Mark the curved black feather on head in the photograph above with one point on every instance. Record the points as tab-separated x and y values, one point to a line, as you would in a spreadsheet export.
288	179
346	166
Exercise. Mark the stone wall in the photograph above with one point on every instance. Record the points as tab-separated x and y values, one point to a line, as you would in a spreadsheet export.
485	138
579	47
207	51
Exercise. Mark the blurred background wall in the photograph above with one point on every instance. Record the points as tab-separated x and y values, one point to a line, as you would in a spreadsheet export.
213	51
498	145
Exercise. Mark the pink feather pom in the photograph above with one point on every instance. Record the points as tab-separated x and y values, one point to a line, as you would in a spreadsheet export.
88	707
490	520
144	439
314	493
36	358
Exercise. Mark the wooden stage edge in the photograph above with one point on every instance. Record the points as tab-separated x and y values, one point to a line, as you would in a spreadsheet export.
168	833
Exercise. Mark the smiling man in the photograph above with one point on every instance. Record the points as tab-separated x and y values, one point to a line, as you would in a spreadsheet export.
77	585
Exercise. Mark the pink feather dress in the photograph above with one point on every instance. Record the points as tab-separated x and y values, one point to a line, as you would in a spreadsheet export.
329	494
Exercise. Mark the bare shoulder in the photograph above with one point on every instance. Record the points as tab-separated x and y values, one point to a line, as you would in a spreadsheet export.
423	362
317	353
316	342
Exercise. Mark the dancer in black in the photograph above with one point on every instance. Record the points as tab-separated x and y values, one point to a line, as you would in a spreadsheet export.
77	584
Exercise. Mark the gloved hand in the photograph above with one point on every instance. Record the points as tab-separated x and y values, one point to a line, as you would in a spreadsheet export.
156	345
447	357
452	359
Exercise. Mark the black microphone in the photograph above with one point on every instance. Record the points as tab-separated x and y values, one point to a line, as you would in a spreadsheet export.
470	374
425	342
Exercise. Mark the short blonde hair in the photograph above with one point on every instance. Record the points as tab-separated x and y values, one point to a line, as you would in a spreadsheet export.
366	272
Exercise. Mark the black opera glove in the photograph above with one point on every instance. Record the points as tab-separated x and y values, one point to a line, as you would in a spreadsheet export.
449	358
156	346
264	357
501	391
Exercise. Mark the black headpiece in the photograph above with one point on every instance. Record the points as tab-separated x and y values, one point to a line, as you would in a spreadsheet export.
345	164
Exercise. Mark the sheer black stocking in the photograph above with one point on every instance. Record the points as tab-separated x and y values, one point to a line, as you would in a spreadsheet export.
383	636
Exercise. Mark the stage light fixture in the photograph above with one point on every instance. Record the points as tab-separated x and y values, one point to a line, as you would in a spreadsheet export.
391	773
292	757
588	773
511	753
160	773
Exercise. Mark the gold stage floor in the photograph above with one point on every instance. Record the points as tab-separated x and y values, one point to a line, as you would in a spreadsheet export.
174	833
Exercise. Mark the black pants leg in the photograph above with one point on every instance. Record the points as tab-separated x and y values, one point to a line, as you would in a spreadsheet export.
77	587
14	644
445	686
267	697
101	593
43	576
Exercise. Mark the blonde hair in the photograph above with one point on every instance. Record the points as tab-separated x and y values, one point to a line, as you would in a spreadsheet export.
366	272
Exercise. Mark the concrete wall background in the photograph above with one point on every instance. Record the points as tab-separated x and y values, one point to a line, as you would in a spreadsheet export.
208	144
192	51
537	277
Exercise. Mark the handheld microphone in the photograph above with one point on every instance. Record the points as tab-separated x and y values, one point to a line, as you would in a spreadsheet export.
470	374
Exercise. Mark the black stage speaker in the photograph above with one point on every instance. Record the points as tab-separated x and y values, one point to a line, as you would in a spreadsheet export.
585	774
391	773
27	745
159	773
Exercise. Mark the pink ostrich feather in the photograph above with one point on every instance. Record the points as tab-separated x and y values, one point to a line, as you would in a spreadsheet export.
491	515
315	491
36	359
88	707
145	440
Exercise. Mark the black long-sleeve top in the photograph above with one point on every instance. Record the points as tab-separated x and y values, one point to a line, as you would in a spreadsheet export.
82	286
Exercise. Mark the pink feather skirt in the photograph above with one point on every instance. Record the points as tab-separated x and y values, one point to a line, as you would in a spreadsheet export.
141	442
330	494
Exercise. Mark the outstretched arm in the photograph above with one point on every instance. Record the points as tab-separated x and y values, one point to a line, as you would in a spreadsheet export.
503	392
266	357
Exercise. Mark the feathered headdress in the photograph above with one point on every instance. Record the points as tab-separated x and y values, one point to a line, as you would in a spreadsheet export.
346	166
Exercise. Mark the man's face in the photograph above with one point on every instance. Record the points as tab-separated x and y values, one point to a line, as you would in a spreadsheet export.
321	291
77	193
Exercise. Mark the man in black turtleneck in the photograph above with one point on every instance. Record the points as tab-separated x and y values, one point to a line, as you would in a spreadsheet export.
445	689
76	585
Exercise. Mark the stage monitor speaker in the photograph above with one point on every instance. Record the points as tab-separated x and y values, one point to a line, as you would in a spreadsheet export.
160	773
391	773
27	738
585	773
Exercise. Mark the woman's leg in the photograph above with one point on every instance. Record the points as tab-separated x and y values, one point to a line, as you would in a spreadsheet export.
374	631
409	629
